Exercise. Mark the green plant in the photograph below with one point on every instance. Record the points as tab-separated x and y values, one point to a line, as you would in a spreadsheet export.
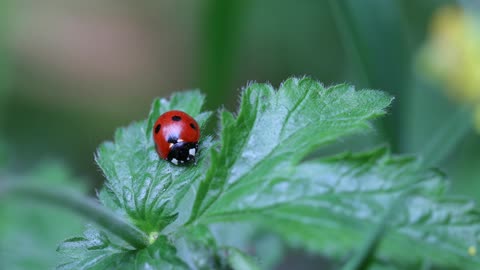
263	168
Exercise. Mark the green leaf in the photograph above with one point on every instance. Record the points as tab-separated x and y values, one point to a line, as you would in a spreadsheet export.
139	185
328	205
344	198
96	251
272	133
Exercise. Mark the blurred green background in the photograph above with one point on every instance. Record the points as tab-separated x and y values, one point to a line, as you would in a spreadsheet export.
73	71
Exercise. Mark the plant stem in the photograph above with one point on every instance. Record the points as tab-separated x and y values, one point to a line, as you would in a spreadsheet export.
81	205
352	19
447	137
5	66
221	31
351	40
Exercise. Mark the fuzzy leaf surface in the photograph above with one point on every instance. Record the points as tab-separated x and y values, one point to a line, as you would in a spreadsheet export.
273	132
345	196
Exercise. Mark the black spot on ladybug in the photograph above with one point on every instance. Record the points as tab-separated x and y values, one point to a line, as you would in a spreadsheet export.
176	118
193	126
172	140
157	128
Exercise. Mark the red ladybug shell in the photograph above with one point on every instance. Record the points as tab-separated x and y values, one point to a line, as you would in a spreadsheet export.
176	136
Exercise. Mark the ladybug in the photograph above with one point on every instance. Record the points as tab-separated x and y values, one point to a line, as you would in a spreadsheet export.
176	136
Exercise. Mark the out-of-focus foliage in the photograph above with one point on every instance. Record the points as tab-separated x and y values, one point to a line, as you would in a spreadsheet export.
30	232
240	261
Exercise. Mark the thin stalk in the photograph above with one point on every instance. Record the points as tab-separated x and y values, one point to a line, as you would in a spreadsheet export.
357	44
221	31
351	40
81	205
447	136
5	67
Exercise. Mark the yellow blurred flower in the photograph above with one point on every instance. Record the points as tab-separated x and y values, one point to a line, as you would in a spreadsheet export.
452	55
